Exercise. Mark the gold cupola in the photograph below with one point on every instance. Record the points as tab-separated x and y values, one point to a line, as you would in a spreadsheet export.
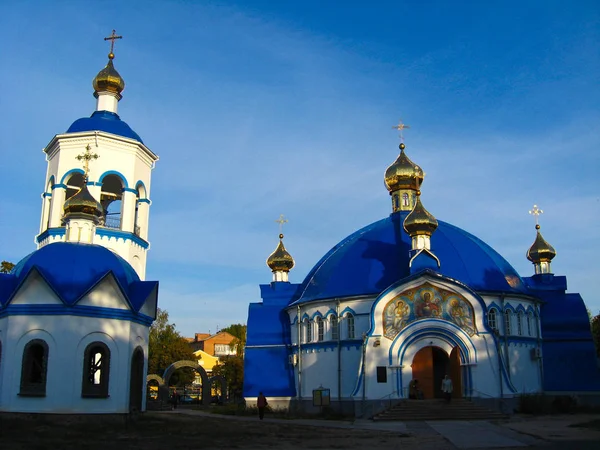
109	80
83	203
280	262
403	179
419	221
541	253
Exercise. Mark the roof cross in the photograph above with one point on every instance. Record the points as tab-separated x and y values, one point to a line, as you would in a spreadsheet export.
401	126
536	213
281	221
112	39
86	157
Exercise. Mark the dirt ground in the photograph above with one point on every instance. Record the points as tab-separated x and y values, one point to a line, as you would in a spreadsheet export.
164	431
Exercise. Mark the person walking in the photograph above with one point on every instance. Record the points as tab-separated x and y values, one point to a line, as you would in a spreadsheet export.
261	403
447	388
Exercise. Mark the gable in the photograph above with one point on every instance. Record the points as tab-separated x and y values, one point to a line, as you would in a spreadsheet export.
426	301
149	306
35	291
105	294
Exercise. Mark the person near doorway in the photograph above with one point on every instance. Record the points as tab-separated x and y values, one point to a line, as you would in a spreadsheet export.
261	403
447	388
415	391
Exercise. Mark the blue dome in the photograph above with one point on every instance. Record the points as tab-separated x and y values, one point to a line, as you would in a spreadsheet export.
375	257
104	121
71	269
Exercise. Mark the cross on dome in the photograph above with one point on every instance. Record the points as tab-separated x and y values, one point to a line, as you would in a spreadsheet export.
281	221
86	157
536	212
401	126
112	39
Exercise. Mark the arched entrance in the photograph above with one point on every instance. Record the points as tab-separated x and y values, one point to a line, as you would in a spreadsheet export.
136	382
431	364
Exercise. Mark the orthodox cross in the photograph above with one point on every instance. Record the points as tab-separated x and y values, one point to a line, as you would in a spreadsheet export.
536	212
281	221
401	126
112	39
86	157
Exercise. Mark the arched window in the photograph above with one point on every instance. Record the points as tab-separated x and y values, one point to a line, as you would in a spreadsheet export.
96	370
309	337
34	368
335	327
493	319
320	329
507	320
74	183
396	201
111	197
350	325
520	323
529	320
405	199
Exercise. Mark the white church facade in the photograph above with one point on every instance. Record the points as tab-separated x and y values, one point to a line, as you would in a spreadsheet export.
75	314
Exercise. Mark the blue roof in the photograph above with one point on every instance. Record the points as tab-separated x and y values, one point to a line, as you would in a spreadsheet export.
375	257
72	269
104	121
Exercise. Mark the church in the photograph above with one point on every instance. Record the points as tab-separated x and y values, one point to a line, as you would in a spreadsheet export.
410	297
75	314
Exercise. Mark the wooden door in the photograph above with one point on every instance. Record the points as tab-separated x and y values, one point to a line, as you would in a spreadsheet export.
455	373
422	370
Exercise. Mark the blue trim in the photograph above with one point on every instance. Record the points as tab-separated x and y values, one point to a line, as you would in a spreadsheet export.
144	200
331	311
346	310
63	180
51	181
114	172
137	185
520	308
60	186
508	306
125	235
522	339
295	319
93	183
81	311
317	314
50	232
304	317
47	194
494	305
530	309
129	190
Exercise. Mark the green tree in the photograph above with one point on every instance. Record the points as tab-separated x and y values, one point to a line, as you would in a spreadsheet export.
167	346
6	267
232	369
238	331
595	325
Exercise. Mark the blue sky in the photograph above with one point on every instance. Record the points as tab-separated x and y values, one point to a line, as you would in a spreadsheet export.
259	108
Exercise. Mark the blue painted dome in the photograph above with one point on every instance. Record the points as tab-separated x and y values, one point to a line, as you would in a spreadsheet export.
71	268
375	257
104	121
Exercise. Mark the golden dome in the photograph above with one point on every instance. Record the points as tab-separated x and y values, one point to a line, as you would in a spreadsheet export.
83	203
420	221
540	250
280	260
403	173
108	79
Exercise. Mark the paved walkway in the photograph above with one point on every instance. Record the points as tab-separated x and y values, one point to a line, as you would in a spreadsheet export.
462	434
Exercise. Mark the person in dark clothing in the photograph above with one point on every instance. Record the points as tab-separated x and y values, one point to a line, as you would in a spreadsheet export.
261	403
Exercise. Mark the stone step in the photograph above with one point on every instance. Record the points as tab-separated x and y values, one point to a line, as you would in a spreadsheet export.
459	409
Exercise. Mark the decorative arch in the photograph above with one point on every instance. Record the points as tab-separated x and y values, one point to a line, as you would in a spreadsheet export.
114	172
140	188
330	312
198	368
68	174
223	385
316	314
347	309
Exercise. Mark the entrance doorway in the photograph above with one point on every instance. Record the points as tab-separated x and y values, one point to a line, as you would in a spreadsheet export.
429	367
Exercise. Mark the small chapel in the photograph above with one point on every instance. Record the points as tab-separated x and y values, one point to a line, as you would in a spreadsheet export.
75	313
411	297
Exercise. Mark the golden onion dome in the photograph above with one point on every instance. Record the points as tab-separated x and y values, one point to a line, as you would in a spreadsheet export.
83	203
108	79
280	260
420	221
403	173
540	250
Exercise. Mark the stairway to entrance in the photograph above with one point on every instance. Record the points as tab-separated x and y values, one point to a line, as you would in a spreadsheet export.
438	409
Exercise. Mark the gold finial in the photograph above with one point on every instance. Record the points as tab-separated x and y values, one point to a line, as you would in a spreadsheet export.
86	157
112	39
401	126
281	221
536	213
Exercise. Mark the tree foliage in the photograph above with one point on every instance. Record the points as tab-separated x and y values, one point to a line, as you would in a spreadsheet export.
6	267
595	325
167	346
238	331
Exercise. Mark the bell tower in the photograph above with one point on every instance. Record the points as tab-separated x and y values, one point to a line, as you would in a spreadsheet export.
120	180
